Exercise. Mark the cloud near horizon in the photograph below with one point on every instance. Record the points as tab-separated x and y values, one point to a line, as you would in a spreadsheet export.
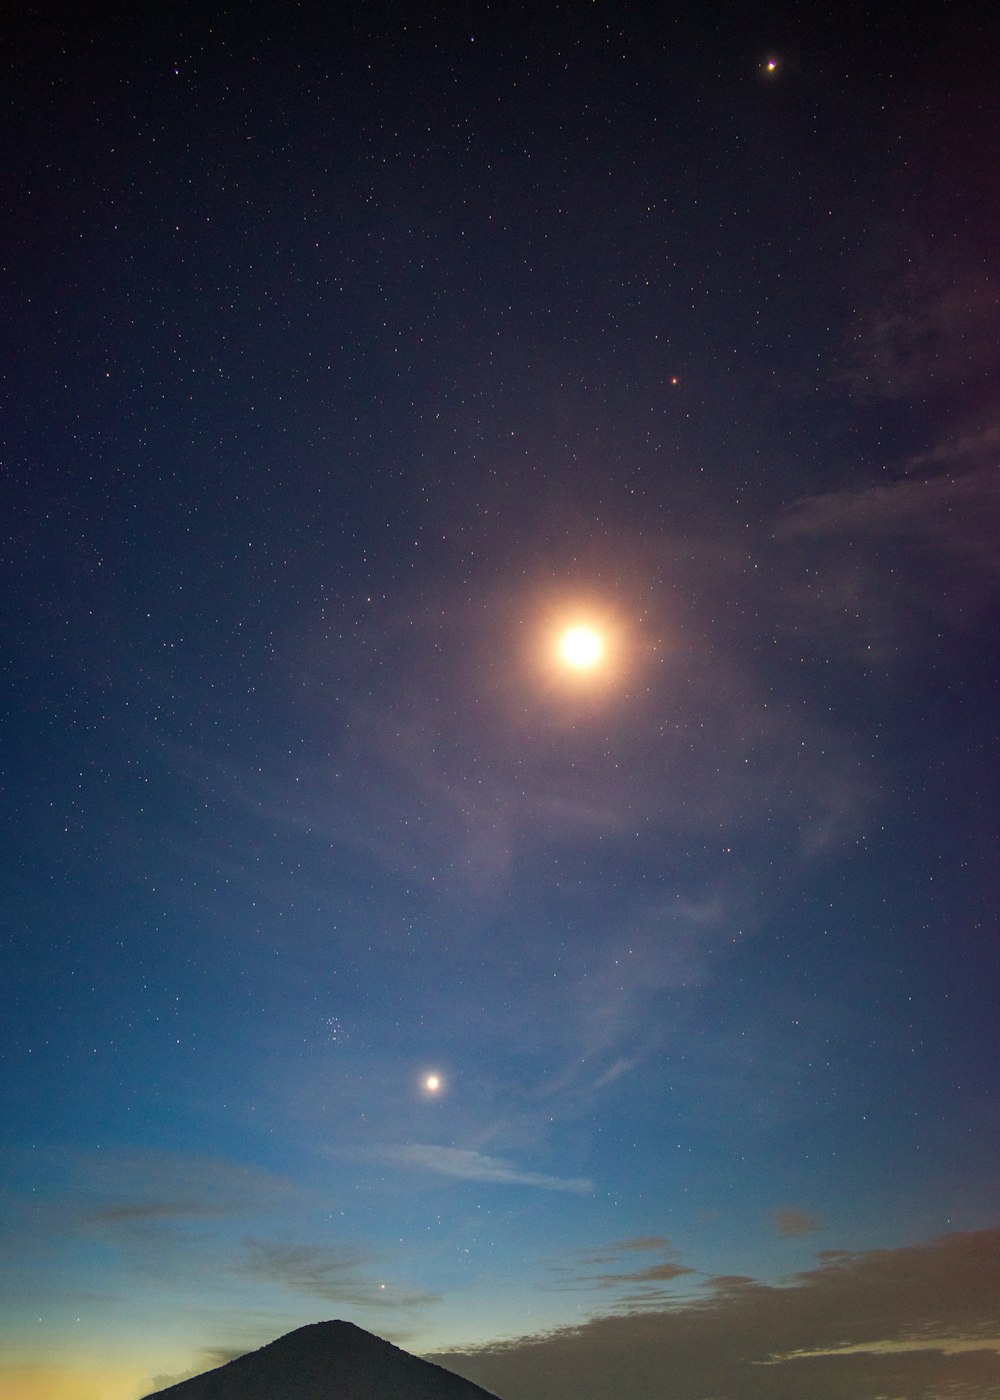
921	1321
610	1268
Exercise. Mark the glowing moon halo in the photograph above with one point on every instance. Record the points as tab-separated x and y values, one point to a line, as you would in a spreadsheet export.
432	1083
581	648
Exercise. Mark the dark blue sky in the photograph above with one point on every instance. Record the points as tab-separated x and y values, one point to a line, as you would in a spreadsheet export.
347	362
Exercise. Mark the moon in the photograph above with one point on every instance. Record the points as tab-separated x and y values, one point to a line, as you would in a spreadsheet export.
432	1083
581	648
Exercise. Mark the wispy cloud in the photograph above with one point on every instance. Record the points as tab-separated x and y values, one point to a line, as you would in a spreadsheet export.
115	1193
467	1165
933	332
875	572
953	512
656	1273
160	1216
614	1072
611	1267
335	1273
142	1212
977	447
791	1221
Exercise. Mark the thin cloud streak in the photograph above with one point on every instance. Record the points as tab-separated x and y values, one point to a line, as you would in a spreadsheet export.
792	1221
463	1164
953	512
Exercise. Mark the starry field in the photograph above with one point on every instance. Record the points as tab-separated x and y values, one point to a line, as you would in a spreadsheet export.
500	545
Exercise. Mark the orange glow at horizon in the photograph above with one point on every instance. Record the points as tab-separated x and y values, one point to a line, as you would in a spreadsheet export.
43	1382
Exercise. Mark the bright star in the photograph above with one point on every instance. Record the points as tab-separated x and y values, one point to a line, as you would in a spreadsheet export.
581	648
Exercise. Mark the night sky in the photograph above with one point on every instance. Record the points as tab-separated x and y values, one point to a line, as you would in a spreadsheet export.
613	1024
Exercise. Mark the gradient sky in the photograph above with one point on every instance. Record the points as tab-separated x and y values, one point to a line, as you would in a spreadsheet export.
346	361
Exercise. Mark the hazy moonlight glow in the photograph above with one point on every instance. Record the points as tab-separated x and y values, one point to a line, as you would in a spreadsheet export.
581	647
432	1083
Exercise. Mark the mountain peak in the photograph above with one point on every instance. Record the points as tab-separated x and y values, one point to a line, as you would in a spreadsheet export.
326	1361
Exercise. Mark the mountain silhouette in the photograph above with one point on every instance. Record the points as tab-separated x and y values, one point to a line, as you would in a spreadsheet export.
326	1361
